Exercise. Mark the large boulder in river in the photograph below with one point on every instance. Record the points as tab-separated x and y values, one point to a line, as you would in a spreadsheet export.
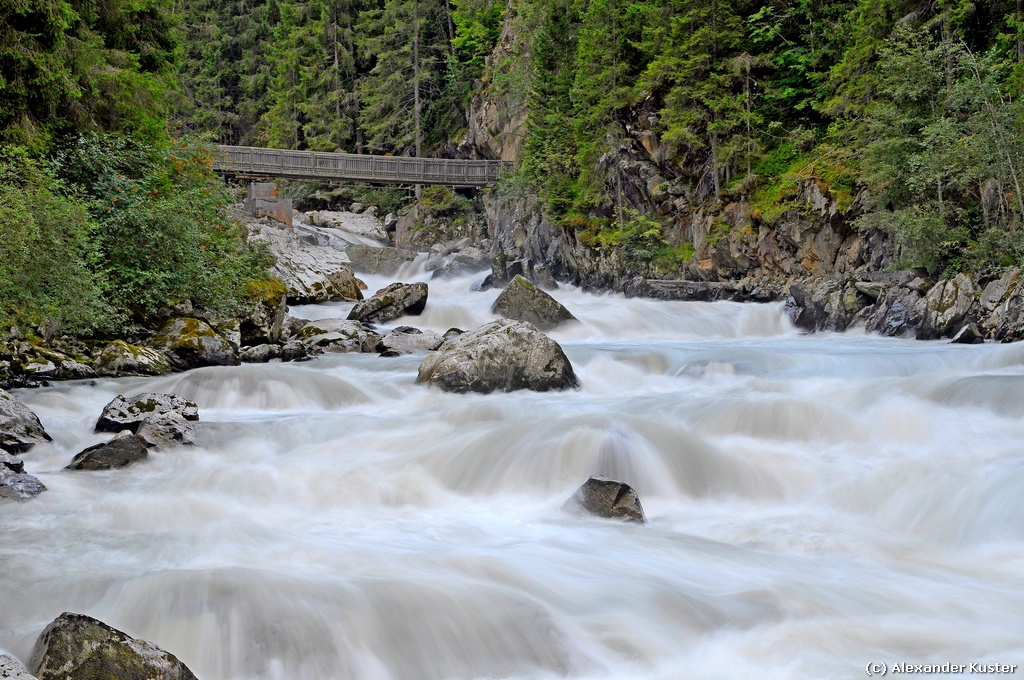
129	413
316	274
382	261
265	317
406	338
606	498
192	343
390	303
78	647
523	301
501	355
120	359
20	429
122	450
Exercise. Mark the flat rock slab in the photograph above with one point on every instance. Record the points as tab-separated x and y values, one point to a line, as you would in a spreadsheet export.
20	429
128	413
502	356
78	647
382	261
606	498
121	451
523	301
391	302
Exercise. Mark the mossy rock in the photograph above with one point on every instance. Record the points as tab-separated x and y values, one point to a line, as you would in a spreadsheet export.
78	647
190	343
120	359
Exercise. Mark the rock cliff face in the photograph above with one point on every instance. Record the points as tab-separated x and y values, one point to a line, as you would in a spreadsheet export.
831	274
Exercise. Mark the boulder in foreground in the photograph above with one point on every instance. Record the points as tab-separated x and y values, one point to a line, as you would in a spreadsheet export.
78	647
20	429
501	355
523	301
606	498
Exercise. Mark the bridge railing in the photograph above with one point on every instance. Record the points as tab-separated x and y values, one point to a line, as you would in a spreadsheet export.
391	169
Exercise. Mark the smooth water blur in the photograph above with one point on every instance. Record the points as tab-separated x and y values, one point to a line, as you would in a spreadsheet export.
815	503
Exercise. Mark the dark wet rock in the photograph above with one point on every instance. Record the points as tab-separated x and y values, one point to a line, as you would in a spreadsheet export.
192	343
165	431
338	335
406	338
822	303
11	462
78	647
124	449
391	353
128	413
898	312
260	354
501	355
383	261
122	359
294	350
11	669
391	302
968	335
606	498
523	301
20	429
18	486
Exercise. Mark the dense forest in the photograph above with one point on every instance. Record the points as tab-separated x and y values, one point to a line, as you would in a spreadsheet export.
913	108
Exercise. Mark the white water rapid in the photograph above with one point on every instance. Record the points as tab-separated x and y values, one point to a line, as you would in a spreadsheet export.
814	503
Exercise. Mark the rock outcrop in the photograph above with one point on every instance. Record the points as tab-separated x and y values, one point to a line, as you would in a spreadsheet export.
121	451
191	343
20	428
265	317
501	355
523	301
122	359
78	647
358	222
382	261
606	498
390	303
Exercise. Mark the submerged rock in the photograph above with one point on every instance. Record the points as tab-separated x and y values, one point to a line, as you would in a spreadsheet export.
501	355
128	413
523	301
121	451
120	359
11	669
20	429
18	486
606	498
190	343
78	647
390	303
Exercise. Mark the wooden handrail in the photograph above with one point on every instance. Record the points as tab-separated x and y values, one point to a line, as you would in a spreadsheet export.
250	160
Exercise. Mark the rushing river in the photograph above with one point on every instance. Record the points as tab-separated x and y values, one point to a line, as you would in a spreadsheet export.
814	503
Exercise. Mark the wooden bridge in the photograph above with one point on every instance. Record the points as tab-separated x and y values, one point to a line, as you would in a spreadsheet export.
257	162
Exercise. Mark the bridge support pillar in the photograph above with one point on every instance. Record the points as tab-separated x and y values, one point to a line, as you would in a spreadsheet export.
263	201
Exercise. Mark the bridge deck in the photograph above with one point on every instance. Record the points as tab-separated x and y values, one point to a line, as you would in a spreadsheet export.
249	160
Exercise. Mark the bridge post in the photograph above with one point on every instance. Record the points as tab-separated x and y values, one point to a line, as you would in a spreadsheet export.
262	201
